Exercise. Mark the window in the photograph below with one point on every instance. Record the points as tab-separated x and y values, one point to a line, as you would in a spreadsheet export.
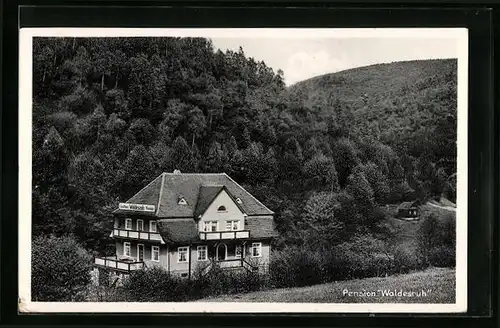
210	226
182	201
126	249
128	224
140	225
232	225
238	251
202	253
256	249
238	200
155	253
152	226
221	208
182	254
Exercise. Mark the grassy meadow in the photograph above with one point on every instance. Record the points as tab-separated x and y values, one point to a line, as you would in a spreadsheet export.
438	284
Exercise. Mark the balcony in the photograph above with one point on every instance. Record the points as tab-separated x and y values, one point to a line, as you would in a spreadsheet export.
137	235
127	265
224	235
229	264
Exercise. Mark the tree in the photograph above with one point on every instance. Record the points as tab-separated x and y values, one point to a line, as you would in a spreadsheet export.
196	123
346	158
217	159
182	155
359	187
427	237
320	174
320	215
60	269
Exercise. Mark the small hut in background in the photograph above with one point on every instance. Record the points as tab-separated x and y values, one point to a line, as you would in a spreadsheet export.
409	209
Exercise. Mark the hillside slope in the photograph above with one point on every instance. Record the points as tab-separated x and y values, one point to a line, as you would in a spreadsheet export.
438	285
409	105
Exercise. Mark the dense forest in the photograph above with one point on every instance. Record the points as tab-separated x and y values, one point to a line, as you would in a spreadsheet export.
111	114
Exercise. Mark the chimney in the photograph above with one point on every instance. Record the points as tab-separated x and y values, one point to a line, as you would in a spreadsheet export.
177	171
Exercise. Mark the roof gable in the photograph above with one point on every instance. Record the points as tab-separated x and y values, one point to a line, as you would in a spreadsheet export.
198	189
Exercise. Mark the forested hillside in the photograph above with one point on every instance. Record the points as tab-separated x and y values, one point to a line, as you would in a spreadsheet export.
109	115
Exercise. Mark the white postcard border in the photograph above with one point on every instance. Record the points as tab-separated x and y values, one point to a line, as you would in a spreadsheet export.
25	174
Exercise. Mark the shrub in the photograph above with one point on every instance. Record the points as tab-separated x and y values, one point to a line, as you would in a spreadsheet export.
60	269
295	266
442	256
158	285
155	284
406	259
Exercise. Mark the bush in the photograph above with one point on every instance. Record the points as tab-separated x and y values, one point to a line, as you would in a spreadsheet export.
60	269
295	266
406	259
442	256
158	285
155	284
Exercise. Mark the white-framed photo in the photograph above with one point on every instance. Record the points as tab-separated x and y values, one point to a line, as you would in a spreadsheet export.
243	170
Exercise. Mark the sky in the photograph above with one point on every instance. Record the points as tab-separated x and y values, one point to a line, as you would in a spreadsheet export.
303	58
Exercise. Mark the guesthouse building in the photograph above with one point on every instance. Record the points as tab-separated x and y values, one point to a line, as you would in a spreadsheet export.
189	223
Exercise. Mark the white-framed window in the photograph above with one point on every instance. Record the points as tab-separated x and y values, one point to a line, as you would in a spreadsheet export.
222	208
256	249
202	253
182	201
140	225
238	251
210	226
152	226
128	224
155	253
126	249
182	254
238	200
232	225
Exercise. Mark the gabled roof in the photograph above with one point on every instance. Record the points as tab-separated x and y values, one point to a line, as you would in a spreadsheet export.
164	191
206	196
408	205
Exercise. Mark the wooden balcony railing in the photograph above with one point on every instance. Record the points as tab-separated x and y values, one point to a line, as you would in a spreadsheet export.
139	235
219	235
229	264
114	263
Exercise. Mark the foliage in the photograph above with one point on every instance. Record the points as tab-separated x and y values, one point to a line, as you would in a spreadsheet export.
111	114
60	269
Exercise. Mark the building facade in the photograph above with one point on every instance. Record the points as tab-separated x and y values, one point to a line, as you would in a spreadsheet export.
189	223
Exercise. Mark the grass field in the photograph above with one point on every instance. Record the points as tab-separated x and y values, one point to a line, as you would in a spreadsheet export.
438	285
405	231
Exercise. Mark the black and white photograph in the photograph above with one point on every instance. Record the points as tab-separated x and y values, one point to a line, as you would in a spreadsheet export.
243	170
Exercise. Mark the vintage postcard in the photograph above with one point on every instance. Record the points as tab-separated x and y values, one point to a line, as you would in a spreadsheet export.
243	170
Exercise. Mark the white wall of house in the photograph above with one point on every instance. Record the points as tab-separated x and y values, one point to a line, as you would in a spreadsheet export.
232	212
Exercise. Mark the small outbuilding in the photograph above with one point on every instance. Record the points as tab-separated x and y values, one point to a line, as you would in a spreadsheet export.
409	209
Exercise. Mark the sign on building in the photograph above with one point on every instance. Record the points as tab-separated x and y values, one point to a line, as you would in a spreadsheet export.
136	207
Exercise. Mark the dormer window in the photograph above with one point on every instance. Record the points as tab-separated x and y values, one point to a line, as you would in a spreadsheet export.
181	201
221	208
238	200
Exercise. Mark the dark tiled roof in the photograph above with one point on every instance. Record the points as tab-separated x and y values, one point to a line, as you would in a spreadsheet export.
261	227
149	195
165	190
408	205
205	198
178	231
